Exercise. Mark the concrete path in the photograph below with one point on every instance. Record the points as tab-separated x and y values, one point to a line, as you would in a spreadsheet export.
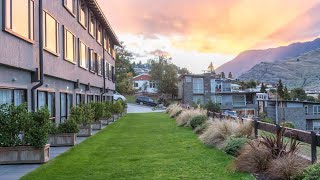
136	108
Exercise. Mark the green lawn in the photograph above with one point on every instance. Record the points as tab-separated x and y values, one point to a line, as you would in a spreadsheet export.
140	146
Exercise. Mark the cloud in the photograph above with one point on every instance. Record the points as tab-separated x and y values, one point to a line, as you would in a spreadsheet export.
159	52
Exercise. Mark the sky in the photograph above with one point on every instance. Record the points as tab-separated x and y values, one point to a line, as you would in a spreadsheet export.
197	32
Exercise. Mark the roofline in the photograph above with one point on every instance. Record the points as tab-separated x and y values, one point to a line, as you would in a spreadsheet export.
141	75
309	102
96	6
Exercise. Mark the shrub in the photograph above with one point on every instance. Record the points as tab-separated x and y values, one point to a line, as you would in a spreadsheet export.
124	104
186	116
176	114
117	108
287	124
267	120
98	110
286	167
311	173
88	114
253	158
107	110
210	106
200	129
197	121
69	126
37	133
173	110
53	129
234	145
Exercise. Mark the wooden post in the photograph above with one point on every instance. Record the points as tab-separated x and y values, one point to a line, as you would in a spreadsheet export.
313	147
256	124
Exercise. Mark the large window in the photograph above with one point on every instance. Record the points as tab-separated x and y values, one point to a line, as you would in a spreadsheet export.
80	99
51	33
19	18
198	99
92	25
98	98
110	72
99	65
13	96
198	86
217	99
82	14
83	55
106	69
113	77
239	100
93	59
65	106
90	98
152	84
70	5
99	33
105	41
316	109
69	46
47	99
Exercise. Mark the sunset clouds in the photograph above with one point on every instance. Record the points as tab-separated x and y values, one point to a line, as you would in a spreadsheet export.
213	26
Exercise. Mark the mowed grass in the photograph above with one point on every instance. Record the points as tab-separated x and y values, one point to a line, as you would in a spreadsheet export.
140	146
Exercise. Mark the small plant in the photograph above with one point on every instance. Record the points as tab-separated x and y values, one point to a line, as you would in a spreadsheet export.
287	124
210	106
176	114
117	108
200	129
310	173
267	120
53	129
88	114
69	126
197	121
98	110
234	145
186	116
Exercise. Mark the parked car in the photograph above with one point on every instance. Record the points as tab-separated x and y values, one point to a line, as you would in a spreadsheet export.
145	100
230	113
118	97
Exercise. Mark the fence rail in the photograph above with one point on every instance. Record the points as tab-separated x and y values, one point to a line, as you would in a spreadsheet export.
303	136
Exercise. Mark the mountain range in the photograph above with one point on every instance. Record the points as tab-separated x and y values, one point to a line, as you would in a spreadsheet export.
248	59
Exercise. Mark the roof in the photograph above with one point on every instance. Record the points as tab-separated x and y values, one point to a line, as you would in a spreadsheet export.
291	101
142	77
96	10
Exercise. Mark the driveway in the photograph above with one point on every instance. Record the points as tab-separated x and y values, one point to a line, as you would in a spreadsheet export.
135	108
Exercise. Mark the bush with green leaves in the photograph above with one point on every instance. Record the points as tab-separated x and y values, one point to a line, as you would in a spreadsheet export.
197	121
37	133
117	108
287	124
310	173
69	126
267	120
124	104
98	110
53	129
234	145
88	114
212	107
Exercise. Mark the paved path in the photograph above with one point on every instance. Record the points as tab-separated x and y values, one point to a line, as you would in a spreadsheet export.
135	108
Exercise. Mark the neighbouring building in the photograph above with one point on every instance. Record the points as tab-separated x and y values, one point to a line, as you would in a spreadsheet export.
74	57
144	83
200	88
304	115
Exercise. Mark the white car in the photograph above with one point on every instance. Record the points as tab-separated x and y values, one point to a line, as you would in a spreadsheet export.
117	96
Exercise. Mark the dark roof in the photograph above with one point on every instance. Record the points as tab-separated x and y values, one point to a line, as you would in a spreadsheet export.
96	10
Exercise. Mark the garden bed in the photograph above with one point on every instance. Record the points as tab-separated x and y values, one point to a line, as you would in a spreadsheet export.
97	125
85	131
24	155
60	140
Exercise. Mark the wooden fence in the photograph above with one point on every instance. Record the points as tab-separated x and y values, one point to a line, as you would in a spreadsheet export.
304	136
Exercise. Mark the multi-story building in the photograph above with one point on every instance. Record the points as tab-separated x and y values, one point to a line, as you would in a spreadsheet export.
304	115
200	88
55	53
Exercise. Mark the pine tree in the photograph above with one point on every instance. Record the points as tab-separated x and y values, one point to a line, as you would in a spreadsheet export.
230	75
286	93
263	88
280	89
223	75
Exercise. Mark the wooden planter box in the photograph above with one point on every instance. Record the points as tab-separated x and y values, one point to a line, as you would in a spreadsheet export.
106	121
115	117
97	125
24	155
85	131
60	140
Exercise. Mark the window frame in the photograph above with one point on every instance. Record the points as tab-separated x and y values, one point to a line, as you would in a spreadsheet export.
318	109
31	36
105	41
80	2
99	68
82	97
90	61
71	11
91	16
45	34
67	112
198	89
90	98
80	52
99	35
25	100
65	30
53	117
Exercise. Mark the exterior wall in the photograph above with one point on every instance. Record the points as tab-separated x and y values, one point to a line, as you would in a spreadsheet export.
20	58
142	83
295	115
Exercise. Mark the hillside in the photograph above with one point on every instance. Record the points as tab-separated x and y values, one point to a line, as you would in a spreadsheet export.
247	59
302	71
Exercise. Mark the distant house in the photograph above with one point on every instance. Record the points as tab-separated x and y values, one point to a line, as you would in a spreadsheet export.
144	83
200	88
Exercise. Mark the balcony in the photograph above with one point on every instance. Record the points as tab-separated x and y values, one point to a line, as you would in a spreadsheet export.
312	116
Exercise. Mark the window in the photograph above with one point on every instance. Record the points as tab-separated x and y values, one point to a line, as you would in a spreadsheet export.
198	86
306	110
99	65
239	100
110	72
105	41
51	33
99	34
316	109
316	125
47	99
69	46
65	106
90	98
113	74
13	96
93	61
106	69
198	99
80	99
19	18
83	55
152	84
98	98
92	25
70	6
82	16
136	85
109	46
217	99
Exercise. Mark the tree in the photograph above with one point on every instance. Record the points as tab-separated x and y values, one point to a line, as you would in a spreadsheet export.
124	71
286	95
165	74
280	89
311	99
230	75
298	93
183	71
263	88
223	75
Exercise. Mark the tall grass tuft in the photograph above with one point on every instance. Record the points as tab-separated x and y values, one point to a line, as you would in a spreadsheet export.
186	116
